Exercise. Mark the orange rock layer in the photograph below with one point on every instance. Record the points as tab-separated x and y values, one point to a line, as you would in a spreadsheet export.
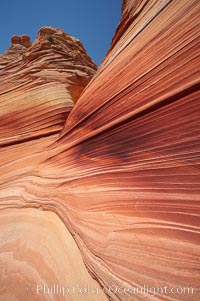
40	84
121	175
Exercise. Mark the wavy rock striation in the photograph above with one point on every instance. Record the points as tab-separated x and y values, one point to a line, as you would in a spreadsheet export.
121	175
40	83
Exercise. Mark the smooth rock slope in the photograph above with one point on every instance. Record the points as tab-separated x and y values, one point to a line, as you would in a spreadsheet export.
120	173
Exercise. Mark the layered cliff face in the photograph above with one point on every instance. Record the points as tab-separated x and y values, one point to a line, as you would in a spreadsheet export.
121	175
40	83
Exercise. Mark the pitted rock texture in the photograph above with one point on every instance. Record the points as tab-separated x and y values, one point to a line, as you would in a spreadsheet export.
122	173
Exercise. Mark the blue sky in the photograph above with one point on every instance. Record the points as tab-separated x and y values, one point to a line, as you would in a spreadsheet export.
92	21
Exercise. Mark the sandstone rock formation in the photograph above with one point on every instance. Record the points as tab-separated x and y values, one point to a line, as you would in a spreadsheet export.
43	80
121	175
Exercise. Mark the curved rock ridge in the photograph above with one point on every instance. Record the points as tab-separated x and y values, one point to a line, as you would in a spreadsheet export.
130	150
121	174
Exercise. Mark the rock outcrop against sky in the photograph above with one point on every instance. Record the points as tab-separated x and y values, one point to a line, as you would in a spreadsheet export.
105	198
40	83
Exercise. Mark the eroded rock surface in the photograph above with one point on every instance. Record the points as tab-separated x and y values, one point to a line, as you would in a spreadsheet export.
41	83
122	173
